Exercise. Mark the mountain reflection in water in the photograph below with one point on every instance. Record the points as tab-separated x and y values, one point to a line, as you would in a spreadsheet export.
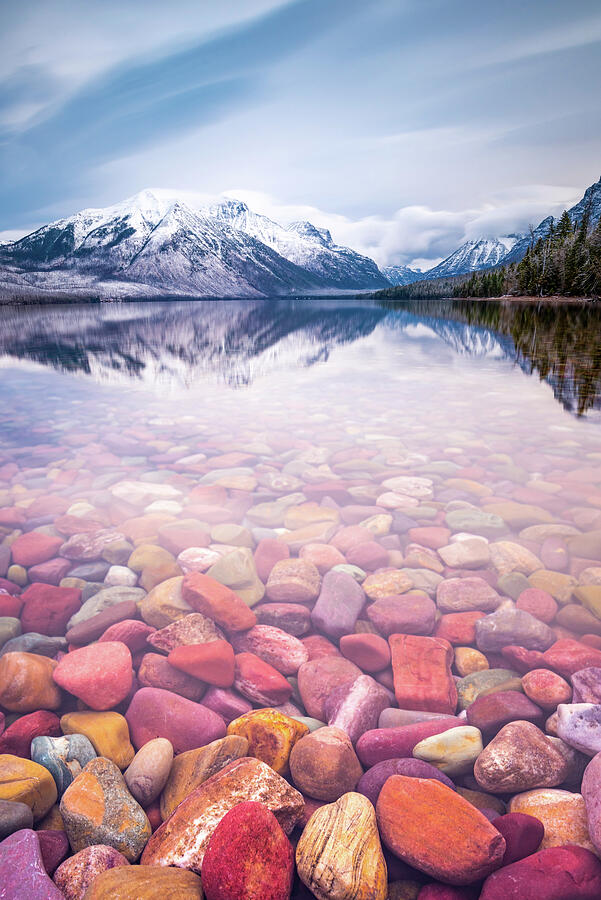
180	344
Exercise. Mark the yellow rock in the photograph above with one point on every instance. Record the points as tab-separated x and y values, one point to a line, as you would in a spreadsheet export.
107	731
26	682
379	525
145	529
237	482
165	604
562	813
469	486
557	584
339	852
468	660
145	883
453	752
310	514
519	515
146	555
27	782
508	557
52	821
17	574
385	584
320	533
271	736
78	583
590	596
190	769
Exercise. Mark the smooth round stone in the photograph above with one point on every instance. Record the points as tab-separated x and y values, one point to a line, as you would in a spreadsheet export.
538	603
48	609
562	814
41	644
558	584
22	872
557	873
546	689
121	576
27	782
513	584
290	617
10	628
14	815
324	765
155	671
192	768
106	597
293	581
260	682
405	614
338	606
149	770
212	662
100	675
165	603
387	583
523	834
77	873
156	713
18	575
339	853
323	556
318	678
107	732
507	557
207	595
64	757
374	779
520	758
355	708
33	547
576	618
468	660
281	650
490	712
237	571
368	651
112	817
390	743
396	718
131	632
567	657
454	752
17	737
475	521
472	553
249	831
461	847
26	683
227	703
197	559
271	735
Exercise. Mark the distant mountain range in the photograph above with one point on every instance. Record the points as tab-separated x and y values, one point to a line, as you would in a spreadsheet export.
151	246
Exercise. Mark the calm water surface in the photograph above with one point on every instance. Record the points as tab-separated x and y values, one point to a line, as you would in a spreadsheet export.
354	392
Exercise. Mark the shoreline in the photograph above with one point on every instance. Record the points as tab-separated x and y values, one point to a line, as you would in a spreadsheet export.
551	300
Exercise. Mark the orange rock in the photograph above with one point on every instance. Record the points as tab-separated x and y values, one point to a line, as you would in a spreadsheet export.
271	736
218	602
26	683
422	673
24	781
431	827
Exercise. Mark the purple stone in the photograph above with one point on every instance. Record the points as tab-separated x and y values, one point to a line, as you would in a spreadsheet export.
508	626
22	872
591	791
226	703
371	783
579	725
356	707
586	686
554	554
338	606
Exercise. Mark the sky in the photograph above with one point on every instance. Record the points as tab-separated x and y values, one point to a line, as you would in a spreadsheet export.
404	126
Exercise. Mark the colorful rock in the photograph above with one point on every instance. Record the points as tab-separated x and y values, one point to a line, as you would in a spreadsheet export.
422	673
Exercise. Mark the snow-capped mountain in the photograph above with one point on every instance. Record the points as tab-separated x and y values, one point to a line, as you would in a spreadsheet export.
151	244
401	275
304	245
472	256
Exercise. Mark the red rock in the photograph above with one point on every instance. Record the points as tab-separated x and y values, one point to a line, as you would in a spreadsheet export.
12	517
403	614
458	629
522	834
350	536
546	688
422	673
131	632
71	525
156	713
212	662
76	874
54	846
34	547
557	873
323	556
538	603
50	572
278	648
10	606
368	651
176	537
17	738
369	556
155	671
492	711
47	505
431	536
248	857
291	617
93	628
379	744
212	599
47	608
100	675
259	682
554	554
268	552
520	659
319	677
569	656
318	646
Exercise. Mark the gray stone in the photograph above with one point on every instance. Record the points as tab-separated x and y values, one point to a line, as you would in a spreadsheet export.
9	629
102	600
513	626
64	757
579	725
32	642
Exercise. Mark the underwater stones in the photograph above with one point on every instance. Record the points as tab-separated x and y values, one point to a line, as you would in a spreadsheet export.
64	757
453	752
356	707
324	765
293	618
567	657
249	831
149	770
338	606
144	883
422	673
23	875
455	595
386	583
154	712
457	845
193	767
270	736
259	682
546	689
27	782
556	873
107	732
183	838
519	758
212	662
100	674
94	627
103	599
26	683
274	646
579	725
97	808
218	602
562	814
165	603
374	779
237	571
319	677
471	553
78	872
368	651
513	626
339	854
193	628
34	547
490	712
47	609
507	557
155	671
586	686
403	614
473	520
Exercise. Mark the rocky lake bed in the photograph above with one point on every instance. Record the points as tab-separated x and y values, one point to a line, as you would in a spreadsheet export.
300	604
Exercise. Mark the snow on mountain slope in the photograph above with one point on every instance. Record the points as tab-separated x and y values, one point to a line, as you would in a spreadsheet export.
401	275
470	257
305	245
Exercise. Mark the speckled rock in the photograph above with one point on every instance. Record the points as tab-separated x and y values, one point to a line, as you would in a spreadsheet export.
324	765
558	873
562	813
97	808
27	782
77	873
274	646
465	595
64	757
512	626
520	758
193	628
22	872
270	734
579	725
145	883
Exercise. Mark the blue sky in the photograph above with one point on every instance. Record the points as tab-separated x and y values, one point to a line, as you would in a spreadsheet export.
405	126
